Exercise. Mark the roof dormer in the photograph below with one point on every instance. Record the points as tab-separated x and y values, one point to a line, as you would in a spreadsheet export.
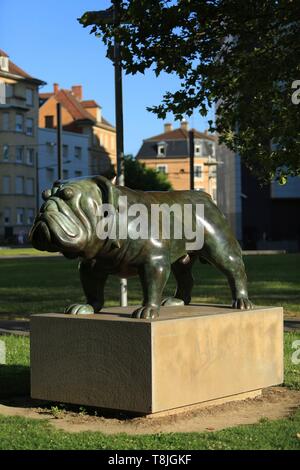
4	62
161	149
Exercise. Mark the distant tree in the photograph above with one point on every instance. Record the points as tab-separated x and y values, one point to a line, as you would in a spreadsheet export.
244	55
138	176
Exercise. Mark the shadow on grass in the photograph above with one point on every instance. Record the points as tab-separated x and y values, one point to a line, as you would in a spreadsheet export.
15	391
14	381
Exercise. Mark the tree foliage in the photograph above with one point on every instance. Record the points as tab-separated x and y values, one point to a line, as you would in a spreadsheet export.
242	55
138	176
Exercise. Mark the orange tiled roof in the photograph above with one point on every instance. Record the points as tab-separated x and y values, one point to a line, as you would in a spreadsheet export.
45	96
74	106
180	134
77	108
90	104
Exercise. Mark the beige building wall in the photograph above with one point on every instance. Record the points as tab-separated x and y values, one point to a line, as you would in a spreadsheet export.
49	109
18	149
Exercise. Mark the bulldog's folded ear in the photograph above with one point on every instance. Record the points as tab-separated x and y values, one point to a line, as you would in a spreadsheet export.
108	190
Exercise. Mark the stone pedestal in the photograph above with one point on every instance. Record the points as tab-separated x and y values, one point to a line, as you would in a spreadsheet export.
190	355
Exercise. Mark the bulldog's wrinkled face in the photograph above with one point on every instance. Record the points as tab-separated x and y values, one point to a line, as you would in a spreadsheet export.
66	221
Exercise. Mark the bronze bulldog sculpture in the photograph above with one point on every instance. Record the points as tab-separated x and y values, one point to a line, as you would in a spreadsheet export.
67	223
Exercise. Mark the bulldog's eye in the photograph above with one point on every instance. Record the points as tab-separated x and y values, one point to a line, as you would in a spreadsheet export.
66	194
46	194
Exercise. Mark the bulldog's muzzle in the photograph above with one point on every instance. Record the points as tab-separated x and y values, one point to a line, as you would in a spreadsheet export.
57	228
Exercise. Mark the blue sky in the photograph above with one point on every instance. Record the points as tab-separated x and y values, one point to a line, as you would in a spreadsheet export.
45	39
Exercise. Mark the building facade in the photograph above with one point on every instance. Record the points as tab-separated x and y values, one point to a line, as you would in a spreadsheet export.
19	105
82	117
75	157
169	153
262	217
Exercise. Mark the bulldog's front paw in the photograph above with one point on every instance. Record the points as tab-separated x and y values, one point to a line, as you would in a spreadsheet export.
243	303
80	309
146	312
172	302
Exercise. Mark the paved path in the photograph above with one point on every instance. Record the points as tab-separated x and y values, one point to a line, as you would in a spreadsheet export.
17	327
29	256
21	327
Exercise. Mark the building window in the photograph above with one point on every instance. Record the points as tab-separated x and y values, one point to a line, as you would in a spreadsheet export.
161	149
197	150
30	157
78	174
2	93
9	90
5	153
30	216
65	151
20	185
30	186
198	173
50	175
29	96
6	184
20	215
19	122
66	174
7	216
5	121
162	168
19	154
78	152
50	148
29	126
49	122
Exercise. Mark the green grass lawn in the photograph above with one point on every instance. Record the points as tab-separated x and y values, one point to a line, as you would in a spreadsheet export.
47	285
21	433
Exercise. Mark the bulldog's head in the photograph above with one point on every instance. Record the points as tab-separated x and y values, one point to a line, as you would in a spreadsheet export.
67	220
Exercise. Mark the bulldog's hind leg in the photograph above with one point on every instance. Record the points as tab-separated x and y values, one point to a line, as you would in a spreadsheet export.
228	259
93	283
184	278
153	275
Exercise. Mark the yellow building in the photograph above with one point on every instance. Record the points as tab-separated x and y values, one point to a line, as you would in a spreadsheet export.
19	104
84	117
169	153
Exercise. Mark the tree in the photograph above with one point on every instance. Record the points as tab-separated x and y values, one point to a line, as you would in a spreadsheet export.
242	55
138	176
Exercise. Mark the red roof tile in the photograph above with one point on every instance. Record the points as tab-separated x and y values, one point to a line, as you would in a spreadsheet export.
77	108
90	104
45	96
73	105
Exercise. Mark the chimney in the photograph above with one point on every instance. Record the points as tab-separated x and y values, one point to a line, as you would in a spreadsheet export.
168	127
55	88
184	125
77	91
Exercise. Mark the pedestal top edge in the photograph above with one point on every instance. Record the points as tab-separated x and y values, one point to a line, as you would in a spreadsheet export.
166	313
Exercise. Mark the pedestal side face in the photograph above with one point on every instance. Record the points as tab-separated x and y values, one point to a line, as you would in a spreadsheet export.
91	361
204	358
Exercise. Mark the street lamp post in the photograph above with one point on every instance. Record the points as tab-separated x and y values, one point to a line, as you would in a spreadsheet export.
192	158
112	15
119	126
59	141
